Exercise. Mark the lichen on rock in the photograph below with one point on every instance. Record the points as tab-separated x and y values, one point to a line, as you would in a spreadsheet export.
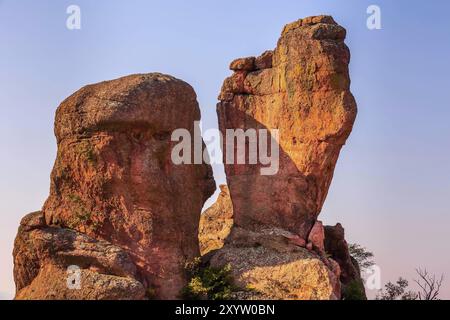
302	88
114	179
266	265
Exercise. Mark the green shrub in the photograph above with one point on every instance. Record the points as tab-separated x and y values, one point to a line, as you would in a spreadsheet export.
207	282
354	291
150	293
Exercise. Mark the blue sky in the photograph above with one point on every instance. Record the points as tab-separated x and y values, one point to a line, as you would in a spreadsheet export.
392	181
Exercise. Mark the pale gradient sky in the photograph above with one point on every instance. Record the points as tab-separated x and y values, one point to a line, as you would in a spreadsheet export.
392	181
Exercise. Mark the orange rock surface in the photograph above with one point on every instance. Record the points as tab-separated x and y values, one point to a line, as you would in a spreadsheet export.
114	179
302	89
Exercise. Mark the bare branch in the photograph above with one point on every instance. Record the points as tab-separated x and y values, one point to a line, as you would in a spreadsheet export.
430	286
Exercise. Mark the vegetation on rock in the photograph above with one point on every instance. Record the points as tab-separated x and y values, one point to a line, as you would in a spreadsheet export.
207	282
361	255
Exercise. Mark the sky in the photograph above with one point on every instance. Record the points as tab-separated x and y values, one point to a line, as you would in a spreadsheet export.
392	181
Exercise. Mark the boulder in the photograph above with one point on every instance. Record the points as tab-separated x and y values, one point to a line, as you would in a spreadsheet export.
243	64
268	263
43	256
265	264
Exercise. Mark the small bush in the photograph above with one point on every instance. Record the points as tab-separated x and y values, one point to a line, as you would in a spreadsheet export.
150	293
354	291
207	282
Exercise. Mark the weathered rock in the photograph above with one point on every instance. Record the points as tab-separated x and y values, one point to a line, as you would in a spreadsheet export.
114	179
266	265
50	284
317	236
43	254
243	64
336	246
276	246
305	94
272	262
264	61
216	222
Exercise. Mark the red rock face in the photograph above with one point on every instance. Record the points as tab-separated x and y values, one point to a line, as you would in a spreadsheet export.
114	180
317	237
301	89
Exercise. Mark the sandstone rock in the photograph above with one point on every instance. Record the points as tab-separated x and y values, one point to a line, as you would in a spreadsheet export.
317	236
295	239
121	211
265	265
264	61
305	94
50	284
274	238
114	179
243	64
276	246
216	222
43	254
269	263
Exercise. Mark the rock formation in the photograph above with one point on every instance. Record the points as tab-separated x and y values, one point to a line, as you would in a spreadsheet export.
276	246
337	248
273	263
128	218
269	264
302	89
43	254
216	222
321	268
113	180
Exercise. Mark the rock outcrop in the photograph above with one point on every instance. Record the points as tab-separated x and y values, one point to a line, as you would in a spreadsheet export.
43	256
267	264
216	222
336	246
276	246
127	218
114	179
302	89
321	268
